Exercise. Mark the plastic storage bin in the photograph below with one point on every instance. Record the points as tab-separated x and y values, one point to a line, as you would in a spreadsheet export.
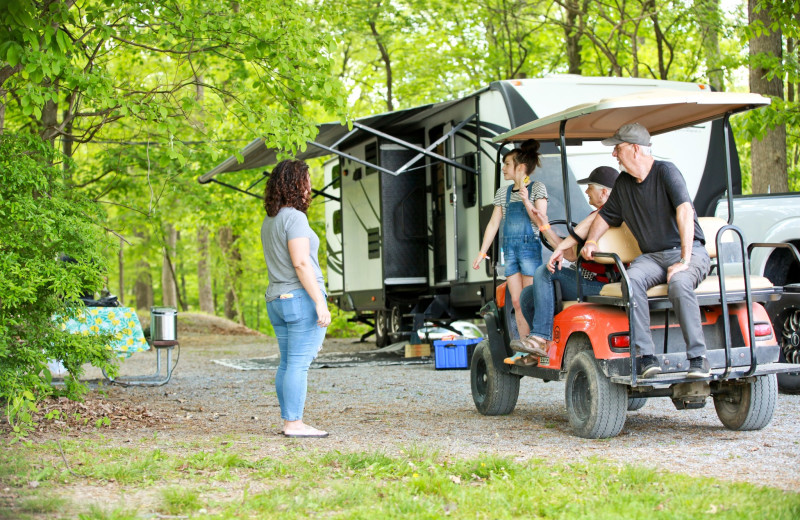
451	354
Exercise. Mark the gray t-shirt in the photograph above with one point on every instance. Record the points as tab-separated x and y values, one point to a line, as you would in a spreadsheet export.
276	232
648	207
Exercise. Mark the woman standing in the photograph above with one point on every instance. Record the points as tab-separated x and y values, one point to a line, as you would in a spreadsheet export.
522	247
296	301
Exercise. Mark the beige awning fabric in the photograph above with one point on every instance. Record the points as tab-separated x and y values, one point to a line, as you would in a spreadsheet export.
659	111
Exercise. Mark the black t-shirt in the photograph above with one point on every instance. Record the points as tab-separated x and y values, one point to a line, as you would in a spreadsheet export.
648	207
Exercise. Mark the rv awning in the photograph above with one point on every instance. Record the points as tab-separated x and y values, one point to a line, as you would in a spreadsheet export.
257	154
659	111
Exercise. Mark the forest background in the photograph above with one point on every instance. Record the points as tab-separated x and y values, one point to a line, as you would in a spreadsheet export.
111	109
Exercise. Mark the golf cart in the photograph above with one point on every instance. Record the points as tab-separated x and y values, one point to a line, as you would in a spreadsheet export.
593	339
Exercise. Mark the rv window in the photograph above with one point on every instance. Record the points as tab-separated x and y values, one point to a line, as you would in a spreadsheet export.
337	222
371	156
357	174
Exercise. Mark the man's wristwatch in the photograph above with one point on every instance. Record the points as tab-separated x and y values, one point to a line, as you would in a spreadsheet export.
683	261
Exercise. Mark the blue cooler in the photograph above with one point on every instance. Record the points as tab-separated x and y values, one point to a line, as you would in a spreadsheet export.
451	354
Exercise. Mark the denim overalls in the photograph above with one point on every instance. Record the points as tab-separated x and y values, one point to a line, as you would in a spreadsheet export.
521	245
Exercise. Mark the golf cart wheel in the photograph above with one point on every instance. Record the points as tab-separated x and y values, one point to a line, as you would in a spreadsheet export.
493	391
381	329
636	403
744	406
595	406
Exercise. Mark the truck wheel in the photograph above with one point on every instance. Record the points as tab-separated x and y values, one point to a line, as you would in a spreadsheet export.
595	406
787	330
381	329
747	406
636	403
494	392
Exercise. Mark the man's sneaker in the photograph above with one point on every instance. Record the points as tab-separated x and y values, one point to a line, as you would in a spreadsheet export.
699	367
649	367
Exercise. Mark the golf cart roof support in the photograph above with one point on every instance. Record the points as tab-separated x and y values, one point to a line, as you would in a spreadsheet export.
567	206
725	131
414	147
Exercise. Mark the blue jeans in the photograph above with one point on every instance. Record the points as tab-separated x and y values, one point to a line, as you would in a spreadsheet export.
299	340
538	300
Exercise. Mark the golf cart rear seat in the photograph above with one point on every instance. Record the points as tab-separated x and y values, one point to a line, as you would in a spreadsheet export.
621	241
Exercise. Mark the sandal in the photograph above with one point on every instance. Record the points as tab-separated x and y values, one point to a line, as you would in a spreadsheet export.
522	360
530	345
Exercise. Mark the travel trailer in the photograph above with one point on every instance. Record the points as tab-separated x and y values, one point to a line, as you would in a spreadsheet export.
408	194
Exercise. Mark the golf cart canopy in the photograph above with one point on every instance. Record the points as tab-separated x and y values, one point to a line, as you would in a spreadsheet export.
659	111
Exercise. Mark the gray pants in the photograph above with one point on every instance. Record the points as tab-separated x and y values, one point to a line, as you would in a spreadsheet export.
650	270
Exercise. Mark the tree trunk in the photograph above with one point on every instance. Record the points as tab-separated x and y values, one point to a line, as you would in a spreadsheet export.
205	293
143	288
387	63
169	286
710	20
2	110
233	270
768	155
573	30
121	258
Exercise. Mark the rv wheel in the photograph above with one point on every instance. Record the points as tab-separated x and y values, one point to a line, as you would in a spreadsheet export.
395	320
595	406
636	403
381	329
744	406
493	391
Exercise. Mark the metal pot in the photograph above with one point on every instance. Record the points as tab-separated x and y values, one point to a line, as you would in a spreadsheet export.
163	324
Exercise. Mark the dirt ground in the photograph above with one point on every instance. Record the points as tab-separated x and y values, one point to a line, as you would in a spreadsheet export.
391	408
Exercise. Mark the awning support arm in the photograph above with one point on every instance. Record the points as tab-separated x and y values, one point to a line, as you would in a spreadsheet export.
410	146
236	188
351	157
446	136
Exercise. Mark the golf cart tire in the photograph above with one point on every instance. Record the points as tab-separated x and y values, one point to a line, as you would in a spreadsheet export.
748	406
596	407
636	403
494	392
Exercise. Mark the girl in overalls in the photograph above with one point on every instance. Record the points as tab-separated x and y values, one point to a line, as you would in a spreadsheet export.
521	246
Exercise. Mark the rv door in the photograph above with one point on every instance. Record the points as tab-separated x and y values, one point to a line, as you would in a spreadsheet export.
444	206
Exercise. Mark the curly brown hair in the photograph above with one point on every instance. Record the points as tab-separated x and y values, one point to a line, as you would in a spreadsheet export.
287	186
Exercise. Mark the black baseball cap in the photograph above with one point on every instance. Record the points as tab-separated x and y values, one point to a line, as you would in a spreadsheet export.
605	176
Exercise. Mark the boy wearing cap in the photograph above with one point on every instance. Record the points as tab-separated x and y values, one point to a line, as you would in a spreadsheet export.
650	196
537	301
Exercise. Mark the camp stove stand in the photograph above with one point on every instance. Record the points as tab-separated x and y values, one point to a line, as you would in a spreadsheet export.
163	337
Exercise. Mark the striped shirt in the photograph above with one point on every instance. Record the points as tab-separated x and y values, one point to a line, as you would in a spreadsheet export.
537	191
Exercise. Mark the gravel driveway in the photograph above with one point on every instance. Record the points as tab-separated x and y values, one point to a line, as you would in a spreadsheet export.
391	408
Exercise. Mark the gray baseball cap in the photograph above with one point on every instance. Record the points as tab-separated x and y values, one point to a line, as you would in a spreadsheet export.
603	175
633	133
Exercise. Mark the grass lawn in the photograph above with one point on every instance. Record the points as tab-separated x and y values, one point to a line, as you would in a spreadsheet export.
228	478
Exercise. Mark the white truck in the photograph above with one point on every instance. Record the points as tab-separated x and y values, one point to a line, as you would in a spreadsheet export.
775	218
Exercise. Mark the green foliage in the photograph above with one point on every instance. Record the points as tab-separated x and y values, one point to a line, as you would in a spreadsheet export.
418	484
41	220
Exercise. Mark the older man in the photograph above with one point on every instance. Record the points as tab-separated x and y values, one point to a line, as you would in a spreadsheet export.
537	301
650	196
